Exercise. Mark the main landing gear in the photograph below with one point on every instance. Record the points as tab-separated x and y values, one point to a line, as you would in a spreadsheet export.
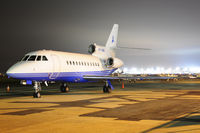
37	88
64	87
107	88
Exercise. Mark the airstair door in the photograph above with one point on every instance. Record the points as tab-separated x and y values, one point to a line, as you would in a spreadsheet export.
56	67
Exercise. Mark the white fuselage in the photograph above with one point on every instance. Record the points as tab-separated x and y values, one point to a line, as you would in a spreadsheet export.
63	66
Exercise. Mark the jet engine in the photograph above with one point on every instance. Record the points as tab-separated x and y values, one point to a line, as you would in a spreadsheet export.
91	48
110	62
99	51
114	62
96	49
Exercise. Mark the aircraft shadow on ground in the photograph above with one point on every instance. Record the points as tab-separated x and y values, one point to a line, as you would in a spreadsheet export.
79	103
169	108
188	120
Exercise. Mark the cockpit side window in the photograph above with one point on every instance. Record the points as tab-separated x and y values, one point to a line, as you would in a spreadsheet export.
44	58
32	58
25	58
38	58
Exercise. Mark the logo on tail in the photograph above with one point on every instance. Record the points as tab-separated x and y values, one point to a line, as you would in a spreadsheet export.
112	40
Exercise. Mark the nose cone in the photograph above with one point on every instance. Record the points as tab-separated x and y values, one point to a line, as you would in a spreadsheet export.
10	70
14	70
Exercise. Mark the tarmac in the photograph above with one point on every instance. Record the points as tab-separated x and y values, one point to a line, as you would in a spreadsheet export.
139	108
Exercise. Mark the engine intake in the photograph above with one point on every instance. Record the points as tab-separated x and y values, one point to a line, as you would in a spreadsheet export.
110	62
91	49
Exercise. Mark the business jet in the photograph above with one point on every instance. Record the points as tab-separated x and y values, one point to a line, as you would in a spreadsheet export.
48	65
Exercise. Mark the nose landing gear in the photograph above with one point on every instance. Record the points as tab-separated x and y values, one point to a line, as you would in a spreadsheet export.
37	88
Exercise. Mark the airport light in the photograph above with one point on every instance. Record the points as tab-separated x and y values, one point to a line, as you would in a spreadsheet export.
149	71
168	71
162	70
142	71
185	70
194	69
177	70
134	70
125	70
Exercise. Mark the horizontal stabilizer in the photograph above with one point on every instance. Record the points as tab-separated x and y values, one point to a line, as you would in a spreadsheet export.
133	48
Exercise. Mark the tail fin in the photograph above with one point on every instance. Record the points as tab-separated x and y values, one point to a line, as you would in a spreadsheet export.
112	40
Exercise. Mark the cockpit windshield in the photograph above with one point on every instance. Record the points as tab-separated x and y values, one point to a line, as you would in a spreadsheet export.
25	58
39	58
44	58
34	58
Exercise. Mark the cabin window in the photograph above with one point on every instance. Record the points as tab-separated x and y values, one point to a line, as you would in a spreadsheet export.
44	58
79	63
38	58
73	63
25	58
76	63
67	62
32	58
70	62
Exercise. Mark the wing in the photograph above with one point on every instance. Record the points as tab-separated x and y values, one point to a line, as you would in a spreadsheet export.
126	77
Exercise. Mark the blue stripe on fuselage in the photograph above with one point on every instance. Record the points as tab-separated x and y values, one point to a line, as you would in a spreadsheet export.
62	76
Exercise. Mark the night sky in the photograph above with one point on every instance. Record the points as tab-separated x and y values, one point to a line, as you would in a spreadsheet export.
171	28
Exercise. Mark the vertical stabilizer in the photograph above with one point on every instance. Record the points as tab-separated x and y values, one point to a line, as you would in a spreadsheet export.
112	40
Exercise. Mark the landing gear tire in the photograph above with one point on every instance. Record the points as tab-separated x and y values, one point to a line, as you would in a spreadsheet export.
36	95
37	88
107	89
64	88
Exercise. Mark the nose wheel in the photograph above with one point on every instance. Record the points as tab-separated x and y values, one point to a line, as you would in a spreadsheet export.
37	88
36	95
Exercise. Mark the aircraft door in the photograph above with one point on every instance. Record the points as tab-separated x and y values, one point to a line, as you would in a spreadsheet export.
56	66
